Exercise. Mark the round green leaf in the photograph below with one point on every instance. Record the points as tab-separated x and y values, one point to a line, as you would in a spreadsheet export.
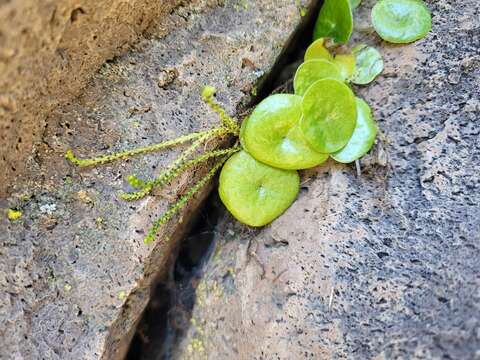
317	50
363	136
344	62
313	70
346	65
334	21
329	115
355	3
401	21
272	135
255	193
369	64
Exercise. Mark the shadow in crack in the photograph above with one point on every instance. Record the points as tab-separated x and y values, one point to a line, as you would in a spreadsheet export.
167	317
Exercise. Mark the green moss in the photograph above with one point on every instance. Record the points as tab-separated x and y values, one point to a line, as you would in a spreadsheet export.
68	180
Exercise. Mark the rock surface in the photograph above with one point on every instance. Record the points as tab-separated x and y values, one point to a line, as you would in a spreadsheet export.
74	272
48	51
381	266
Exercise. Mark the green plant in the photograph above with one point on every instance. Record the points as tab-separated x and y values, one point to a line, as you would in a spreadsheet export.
288	132
272	134
401	21
313	70
329	115
186	160
256	193
318	50
369	64
355	3
335	21
363	135
344	63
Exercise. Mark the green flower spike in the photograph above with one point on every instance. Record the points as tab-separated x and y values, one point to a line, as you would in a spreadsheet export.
272	134
229	123
69	155
401	21
329	115
255	193
334	21
175	169
369	64
182	163
313	70
363	136
173	209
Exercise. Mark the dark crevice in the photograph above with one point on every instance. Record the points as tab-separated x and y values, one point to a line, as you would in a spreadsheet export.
167	317
293	52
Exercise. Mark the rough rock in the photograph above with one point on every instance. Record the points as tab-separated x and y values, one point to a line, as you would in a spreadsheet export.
75	274
381	266
48	52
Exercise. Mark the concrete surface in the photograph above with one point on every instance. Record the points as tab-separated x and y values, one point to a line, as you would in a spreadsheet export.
384	266
75	275
49	50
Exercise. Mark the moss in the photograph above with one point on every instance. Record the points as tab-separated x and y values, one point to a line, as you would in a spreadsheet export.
242	4
100	221
68	180
13	214
231	271
196	347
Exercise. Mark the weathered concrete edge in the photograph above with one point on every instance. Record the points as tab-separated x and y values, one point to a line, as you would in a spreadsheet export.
63	274
407	69
75	41
118	341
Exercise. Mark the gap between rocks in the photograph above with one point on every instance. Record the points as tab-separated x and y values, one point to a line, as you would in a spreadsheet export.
168	314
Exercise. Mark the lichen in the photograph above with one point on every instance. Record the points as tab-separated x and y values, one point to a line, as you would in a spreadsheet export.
13	214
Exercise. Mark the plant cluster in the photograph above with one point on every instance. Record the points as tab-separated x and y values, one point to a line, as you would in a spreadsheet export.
289	132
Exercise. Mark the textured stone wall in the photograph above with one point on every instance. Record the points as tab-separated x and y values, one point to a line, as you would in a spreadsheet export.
75	274
48	50
381	266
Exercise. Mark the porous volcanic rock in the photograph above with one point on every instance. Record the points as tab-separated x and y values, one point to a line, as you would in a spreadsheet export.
48	51
75	274
381	266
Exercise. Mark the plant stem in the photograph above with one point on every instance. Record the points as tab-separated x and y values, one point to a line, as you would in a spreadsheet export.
179	166
129	153
181	202
227	121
